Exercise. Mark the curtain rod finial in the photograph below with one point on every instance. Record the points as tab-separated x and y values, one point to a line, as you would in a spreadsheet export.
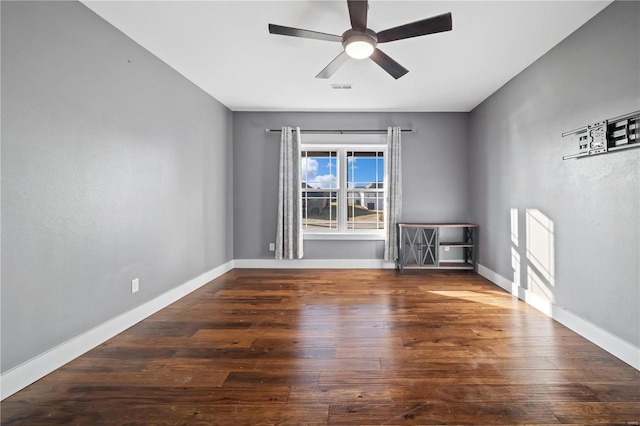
267	130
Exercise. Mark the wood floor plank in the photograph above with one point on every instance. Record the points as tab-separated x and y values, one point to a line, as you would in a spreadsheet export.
422	378
433	362
317	365
408	353
196	414
179	326
126	396
181	376
335	342
256	353
596	412
615	392
371	414
572	363
288	414
370	393
260	378
338	347
563	376
444	413
231	340
496	393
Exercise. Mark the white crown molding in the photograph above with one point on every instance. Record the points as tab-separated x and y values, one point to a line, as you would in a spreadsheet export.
609	342
24	374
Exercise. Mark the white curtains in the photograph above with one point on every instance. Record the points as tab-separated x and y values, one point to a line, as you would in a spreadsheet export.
289	229
393	207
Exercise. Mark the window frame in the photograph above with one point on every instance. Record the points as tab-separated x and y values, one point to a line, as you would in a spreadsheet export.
341	232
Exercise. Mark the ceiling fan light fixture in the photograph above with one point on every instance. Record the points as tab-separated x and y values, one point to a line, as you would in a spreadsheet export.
359	49
359	45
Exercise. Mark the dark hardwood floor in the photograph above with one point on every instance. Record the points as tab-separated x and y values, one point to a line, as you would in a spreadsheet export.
338	347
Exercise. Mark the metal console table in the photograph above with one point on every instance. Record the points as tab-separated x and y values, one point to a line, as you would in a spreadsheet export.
421	246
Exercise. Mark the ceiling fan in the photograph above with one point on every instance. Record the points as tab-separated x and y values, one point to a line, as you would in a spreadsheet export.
360	42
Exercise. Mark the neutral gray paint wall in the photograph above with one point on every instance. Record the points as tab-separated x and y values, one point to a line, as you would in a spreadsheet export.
113	167
435	175
593	203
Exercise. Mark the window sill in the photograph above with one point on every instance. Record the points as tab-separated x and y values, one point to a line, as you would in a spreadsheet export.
370	236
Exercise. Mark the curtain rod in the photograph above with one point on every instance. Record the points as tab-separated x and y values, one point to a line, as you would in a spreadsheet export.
341	132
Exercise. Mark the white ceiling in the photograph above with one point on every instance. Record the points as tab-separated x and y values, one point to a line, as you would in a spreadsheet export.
225	48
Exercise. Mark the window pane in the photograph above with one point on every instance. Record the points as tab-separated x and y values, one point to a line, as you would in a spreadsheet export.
365	210
319	210
319	169
365	194
365	169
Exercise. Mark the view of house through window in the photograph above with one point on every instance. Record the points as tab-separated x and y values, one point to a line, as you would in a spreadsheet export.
342	189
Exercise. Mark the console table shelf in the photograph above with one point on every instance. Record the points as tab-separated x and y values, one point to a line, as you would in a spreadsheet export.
421	246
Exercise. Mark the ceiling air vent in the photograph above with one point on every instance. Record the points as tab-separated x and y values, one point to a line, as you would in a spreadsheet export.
341	86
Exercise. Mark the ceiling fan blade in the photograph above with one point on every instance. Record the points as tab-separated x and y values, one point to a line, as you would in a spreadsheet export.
358	14
389	65
296	32
435	24
333	66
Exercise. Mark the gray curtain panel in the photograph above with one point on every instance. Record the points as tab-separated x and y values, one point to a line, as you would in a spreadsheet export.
289	229
393	199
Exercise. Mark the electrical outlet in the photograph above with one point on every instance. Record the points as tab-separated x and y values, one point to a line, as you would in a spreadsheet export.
446	248
135	285
272	246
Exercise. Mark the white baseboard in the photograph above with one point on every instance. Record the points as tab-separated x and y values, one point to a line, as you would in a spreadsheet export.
23	375
314	264
609	342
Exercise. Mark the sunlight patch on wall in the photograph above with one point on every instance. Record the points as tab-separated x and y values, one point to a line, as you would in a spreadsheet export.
533	254
515	264
515	256
514	226
540	244
538	285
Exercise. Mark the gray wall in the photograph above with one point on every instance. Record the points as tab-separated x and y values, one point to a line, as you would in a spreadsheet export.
435	175
582	250
113	167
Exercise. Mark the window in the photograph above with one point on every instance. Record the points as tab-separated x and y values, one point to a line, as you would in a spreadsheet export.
343	189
